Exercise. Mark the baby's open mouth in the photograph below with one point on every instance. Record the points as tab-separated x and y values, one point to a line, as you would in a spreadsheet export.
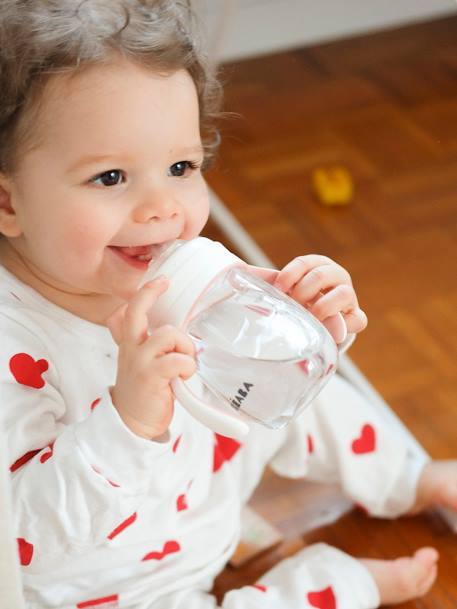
142	253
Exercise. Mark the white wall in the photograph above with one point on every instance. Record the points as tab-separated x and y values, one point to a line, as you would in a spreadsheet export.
241	28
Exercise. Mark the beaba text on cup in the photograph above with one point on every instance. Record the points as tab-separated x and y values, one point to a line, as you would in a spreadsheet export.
260	355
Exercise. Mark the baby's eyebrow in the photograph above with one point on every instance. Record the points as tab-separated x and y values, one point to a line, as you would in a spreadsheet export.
196	149
90	159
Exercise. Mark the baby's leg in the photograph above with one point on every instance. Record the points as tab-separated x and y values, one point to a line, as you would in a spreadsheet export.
324	573
344	438
437	486
404	578
326	577
318	576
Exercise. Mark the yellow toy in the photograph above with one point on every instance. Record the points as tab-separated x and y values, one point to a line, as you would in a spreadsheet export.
333	185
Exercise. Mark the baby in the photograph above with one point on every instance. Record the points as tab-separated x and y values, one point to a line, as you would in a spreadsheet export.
121	498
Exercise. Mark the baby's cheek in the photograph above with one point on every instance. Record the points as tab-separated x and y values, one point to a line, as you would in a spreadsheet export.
197	213
95	230
84	241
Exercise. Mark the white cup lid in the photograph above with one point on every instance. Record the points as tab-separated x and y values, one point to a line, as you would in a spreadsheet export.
190	268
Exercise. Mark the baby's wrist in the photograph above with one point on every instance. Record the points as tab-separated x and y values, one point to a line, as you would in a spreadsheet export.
153	433
156	433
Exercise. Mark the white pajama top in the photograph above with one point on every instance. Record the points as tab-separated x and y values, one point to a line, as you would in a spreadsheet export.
104	518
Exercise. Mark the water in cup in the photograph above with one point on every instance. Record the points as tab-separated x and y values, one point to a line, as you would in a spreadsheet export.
258	350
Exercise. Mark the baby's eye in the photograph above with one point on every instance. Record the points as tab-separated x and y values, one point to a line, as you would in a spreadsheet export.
113	177
180	168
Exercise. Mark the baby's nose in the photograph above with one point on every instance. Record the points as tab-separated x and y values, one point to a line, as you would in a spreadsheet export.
158	211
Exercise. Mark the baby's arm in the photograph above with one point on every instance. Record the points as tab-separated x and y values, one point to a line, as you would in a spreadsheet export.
73	483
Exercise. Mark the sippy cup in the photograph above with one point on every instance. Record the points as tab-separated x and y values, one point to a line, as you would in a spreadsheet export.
261	356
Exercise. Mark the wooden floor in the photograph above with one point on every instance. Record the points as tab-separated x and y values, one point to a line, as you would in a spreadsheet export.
385	107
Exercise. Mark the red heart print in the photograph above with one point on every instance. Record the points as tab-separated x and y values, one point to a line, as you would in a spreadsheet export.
366	442
97	471
322	599
28	371
310	443
176	443
170	547
126	523
181	503
260	587
24	459
107	602
224	449
25	551
45	456
95	403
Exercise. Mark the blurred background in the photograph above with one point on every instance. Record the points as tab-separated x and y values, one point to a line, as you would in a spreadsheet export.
344	143
245	28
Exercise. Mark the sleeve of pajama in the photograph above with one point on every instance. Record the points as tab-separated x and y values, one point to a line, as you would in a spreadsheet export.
72	483
343	438
318	576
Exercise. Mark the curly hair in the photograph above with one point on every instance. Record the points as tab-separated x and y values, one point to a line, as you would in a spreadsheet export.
41	38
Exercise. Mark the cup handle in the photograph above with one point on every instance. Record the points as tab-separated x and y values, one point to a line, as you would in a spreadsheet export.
225	423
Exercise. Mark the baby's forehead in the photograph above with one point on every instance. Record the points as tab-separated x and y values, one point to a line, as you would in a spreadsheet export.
90	89
107	104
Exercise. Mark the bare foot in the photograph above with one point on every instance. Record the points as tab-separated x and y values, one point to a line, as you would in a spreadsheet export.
403	579
437	486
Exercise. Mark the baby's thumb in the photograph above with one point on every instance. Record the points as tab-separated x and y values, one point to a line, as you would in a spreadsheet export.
115	323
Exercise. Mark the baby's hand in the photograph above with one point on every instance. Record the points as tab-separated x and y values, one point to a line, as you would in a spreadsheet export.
147	363
322	285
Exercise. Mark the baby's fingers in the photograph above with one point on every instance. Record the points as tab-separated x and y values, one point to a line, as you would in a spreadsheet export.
306	276
167	339
135	326
172	365
341	299
321	279
297	268
356	320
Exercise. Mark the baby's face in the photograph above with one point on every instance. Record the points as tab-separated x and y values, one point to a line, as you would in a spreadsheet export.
117	168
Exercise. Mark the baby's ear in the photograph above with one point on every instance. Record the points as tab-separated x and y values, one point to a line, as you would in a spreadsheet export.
9	224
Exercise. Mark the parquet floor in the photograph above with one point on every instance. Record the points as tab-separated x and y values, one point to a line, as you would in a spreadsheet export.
385	107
